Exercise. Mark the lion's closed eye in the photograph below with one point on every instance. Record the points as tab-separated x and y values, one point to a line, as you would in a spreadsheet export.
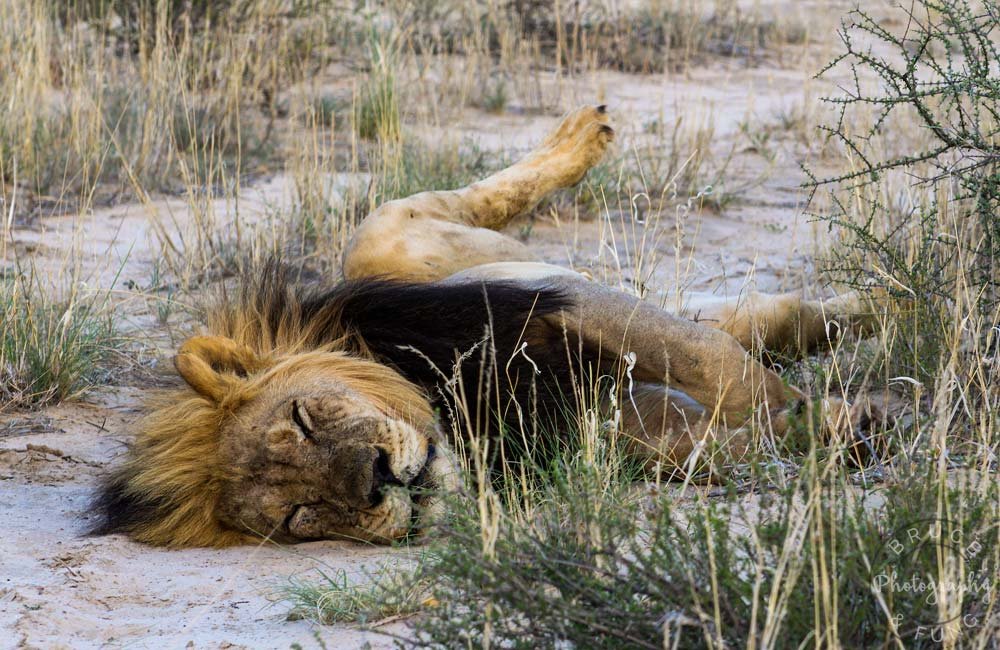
300	416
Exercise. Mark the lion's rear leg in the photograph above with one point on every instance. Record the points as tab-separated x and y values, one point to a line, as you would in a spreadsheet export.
562	159
786	323
432	235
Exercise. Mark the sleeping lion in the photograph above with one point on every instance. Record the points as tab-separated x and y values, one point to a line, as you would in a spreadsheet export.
314	412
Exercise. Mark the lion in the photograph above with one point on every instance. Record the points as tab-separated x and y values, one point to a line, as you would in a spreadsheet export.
314	412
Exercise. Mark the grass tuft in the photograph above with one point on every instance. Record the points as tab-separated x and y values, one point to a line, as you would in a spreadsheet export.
390	591
52	349
377	114
594	567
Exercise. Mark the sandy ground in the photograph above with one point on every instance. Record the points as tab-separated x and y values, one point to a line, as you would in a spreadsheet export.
59	588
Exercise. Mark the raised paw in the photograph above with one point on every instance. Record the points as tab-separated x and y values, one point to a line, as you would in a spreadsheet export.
577	144
591	143
579	126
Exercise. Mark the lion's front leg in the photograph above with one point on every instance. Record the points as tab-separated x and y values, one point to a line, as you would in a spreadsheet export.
664	428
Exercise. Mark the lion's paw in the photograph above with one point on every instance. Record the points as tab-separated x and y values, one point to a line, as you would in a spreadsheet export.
574	123
857	428
579	141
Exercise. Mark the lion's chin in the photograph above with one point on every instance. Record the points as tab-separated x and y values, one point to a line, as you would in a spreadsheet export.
387	522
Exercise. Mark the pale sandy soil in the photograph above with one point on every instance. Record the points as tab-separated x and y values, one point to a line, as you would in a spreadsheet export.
61	589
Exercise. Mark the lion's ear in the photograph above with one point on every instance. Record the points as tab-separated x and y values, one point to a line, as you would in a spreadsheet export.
212	365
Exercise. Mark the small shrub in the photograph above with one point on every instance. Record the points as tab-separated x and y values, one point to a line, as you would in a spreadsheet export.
335	598
921	221
598	565
597	568
324	110
496	97
377	116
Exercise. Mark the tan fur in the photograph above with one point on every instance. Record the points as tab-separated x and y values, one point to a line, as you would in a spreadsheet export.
176	459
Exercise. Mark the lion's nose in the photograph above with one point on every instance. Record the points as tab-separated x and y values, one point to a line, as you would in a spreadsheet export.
382	477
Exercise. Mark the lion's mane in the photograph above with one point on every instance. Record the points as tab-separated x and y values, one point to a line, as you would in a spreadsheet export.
408	347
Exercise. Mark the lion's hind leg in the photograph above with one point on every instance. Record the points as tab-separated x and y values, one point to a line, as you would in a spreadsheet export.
786	323
431	235
566	154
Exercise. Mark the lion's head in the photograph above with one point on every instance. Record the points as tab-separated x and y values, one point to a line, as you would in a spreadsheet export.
310	445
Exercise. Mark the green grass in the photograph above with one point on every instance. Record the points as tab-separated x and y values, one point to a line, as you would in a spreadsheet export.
377	116
389	591
496	96
52	350
324	110
377	111
586	563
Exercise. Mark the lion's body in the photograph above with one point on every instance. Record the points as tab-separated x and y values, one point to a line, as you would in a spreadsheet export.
306	410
